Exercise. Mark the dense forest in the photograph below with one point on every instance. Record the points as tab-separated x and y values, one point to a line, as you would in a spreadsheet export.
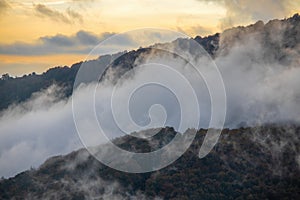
15	90
247	163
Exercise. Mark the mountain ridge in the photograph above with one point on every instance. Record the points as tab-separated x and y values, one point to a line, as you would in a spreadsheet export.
247	163
20	89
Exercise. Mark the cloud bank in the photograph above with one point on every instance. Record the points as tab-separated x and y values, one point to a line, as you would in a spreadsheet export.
80	43
35	130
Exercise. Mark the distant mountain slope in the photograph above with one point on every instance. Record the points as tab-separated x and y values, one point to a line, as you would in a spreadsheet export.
281	39
247	163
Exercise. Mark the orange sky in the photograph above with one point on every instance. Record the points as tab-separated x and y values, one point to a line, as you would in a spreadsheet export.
31	28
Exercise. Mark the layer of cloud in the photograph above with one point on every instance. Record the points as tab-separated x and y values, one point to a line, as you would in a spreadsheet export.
24	145
80	43
70	16
75	15
83	42
196	30
3	6
245	11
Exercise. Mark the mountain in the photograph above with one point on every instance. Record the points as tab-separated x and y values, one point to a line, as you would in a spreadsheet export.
257	162
280	39
247	163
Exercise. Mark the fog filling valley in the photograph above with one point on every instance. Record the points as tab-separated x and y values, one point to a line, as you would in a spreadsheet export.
260	90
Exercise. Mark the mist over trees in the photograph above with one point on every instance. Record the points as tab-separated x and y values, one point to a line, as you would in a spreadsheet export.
247	163
260	65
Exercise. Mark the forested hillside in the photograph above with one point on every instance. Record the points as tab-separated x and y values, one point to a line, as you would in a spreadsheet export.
247	163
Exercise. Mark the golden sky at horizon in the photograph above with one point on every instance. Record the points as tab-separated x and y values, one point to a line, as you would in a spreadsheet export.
31	28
